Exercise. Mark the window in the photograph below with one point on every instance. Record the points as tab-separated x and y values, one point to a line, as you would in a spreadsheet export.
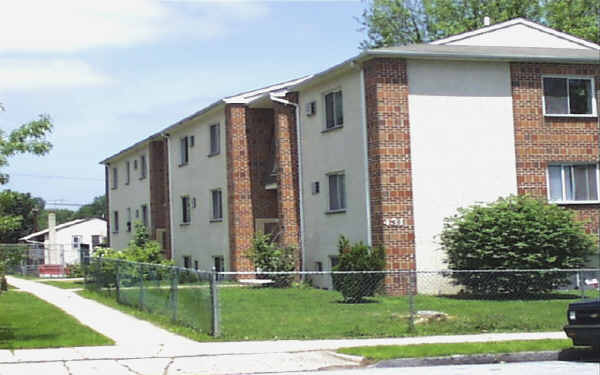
184	151
217	207
186	216
337	192
215	140
568	96
319	266
115	221
334	111
115	178
127	172
196	265
128	219
95	240
219	265
77	242
334	259
187	261
142	167
145	215
135	164
573	182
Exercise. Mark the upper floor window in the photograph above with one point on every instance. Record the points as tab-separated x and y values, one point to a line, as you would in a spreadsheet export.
337	191
573	182
142	167
145	215
186	216
184	150
215	139
334	110
127	172
217	204
115	177
115	227
568	96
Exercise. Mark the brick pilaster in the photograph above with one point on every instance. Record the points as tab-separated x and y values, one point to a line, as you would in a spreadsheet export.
388	133
540	140
159	192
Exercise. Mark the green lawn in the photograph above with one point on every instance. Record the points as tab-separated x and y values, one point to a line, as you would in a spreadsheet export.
270	313
65	284
383	352
28	322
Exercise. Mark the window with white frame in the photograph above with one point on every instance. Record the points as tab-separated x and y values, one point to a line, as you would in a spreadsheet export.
115	177
115	227
215	139
184	150
573	182
337	191
334	110
186	216
127	172
217	204
142	167
76	241
568	96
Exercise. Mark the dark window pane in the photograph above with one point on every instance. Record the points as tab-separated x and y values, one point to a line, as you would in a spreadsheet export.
580	96
334	203
592	185
339	112
329	111
555	95
342	190
568	183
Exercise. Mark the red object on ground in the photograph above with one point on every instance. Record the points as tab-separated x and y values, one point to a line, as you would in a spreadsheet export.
51	269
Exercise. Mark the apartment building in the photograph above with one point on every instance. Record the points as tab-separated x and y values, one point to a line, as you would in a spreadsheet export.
380	148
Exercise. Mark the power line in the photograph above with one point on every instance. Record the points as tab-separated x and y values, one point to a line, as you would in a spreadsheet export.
56	177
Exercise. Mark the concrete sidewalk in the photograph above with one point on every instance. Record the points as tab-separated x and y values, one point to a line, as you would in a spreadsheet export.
142	348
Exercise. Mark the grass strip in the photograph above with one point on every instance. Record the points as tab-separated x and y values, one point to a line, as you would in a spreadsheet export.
157	319
65	284
28	322
383	352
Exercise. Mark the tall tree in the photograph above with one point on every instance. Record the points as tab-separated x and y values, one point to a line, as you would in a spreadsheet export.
95	209
400	22
19	211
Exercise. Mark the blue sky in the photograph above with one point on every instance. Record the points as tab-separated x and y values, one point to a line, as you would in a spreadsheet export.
111	73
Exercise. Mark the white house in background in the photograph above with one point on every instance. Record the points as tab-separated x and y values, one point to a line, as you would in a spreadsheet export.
62	245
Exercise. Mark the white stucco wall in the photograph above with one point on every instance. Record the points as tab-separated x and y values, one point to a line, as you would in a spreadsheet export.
325	152
201	239
64	241
517	36
462	145
133	196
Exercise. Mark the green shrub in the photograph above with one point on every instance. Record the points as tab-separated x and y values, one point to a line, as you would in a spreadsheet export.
269	257
74	270
358	257
517	232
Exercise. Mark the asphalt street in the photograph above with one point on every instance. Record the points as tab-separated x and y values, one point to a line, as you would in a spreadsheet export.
528	368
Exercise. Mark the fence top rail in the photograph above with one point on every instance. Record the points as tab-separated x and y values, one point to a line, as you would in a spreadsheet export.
408	271
171	267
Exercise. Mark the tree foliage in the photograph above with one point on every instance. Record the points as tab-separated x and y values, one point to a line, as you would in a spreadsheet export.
400	22
17	215
141	249
358	257
517	232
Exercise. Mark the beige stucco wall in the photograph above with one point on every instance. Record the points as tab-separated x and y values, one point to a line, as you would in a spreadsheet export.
462	146
324	152
201	239
133	196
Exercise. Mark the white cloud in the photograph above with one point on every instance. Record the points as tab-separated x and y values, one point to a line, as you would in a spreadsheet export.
72	25
23	74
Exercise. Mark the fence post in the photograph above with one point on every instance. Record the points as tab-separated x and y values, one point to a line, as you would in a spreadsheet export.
118	281
215	303
411	301
581	284
174	283
141	286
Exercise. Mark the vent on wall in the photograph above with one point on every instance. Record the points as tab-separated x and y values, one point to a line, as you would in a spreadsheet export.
315	187
310	108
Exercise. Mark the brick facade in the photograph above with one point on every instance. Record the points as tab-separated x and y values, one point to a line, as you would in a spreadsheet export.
159	192
107	195
388	133
540	140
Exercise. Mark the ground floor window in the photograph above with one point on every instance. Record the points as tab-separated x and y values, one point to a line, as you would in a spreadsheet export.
573	182
187	261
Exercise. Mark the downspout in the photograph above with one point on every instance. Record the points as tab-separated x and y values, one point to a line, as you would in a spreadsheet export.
363	118
300	172
170	183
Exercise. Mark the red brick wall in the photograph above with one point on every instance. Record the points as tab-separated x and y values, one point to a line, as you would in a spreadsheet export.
260	133
287	177
540	140
159	191
388	131
107	210
239	187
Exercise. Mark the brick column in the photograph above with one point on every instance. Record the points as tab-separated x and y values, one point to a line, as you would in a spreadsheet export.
107	209
288	192
159	192
388	133
540	140
239	187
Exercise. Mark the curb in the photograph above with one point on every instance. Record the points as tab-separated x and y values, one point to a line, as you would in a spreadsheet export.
479	359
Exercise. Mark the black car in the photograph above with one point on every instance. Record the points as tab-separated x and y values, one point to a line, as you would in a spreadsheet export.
584	323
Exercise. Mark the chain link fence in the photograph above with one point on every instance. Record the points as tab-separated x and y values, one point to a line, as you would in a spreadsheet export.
298	305
183	295
44	259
